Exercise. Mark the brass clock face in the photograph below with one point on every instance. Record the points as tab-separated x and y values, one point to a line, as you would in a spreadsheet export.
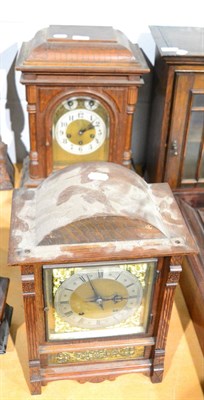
99	300
80	131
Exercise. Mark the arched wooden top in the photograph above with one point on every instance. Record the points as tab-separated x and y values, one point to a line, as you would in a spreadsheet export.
92	190
93	212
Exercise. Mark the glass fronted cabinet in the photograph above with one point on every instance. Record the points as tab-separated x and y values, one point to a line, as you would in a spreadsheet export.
176	140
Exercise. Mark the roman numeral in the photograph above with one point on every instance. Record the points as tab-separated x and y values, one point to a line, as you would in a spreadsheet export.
68	314
82	278
129	285
118	276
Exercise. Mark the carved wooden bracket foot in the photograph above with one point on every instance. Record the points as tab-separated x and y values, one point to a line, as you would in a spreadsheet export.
35	378
158	366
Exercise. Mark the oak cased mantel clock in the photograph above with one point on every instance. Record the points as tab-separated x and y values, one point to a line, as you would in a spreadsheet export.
100	252
81	87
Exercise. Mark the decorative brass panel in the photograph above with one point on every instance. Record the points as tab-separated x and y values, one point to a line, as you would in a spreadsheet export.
114	354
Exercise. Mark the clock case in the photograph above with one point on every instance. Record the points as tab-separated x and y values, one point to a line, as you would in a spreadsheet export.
96	214
63	62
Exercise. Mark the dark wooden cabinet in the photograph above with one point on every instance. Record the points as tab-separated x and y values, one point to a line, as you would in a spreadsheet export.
176	141
191	204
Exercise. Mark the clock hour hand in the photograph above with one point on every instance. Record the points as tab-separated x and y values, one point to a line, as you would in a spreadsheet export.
89	127
116	298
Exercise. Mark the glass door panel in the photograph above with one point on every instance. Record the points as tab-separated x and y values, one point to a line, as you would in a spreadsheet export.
184	165
193	160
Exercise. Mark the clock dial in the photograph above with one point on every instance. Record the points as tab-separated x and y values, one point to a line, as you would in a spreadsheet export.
80	131
98	300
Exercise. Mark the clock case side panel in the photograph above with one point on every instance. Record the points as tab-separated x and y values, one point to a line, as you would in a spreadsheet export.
32	311
169	278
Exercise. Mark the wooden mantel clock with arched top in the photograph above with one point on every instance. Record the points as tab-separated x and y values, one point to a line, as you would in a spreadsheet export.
81	88
100	252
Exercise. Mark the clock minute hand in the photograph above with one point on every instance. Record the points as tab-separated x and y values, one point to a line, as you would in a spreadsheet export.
98	300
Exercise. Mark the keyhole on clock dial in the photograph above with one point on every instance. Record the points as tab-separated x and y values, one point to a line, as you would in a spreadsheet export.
91	103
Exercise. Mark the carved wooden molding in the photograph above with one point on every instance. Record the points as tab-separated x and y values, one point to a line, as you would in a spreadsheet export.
97	379
28	285
174	275
176	260
31	108
27	270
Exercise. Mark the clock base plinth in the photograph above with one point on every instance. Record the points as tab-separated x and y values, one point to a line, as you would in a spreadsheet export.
92	373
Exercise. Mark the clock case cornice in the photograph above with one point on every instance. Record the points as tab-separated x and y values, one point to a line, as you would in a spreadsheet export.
139	222
63	49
